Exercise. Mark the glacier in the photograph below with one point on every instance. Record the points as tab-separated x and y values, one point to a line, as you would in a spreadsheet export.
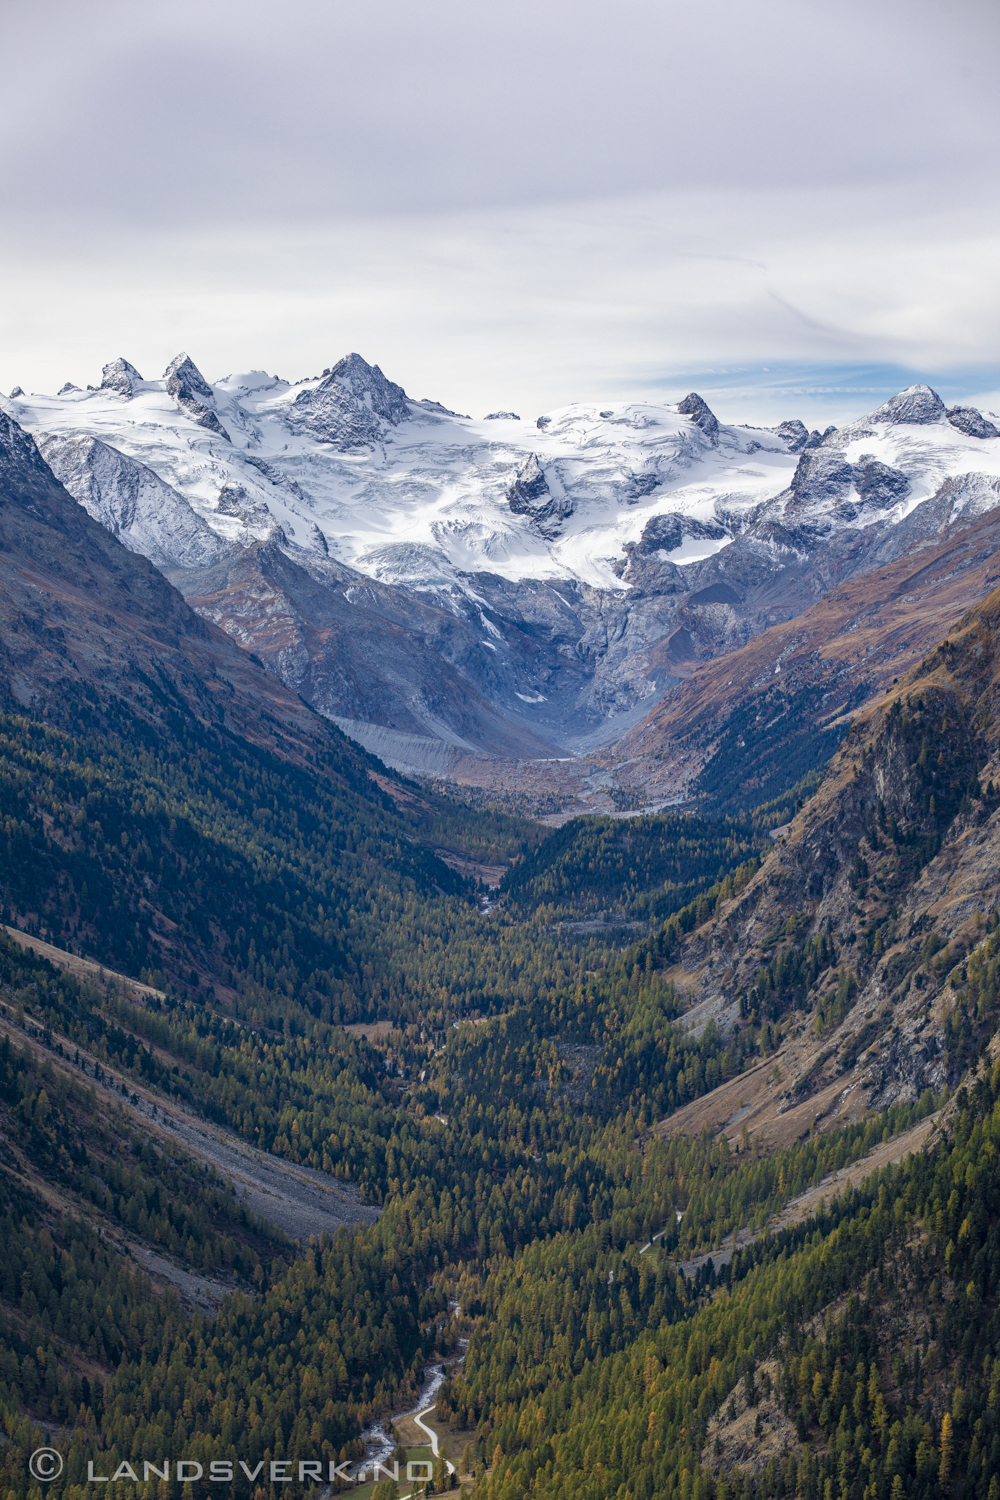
447	587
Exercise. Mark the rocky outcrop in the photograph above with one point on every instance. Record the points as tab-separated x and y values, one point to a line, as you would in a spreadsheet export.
701	414
668	531
879	485
797	437
532	495
827	488
122	377
193	394
821	476
351	406
972	422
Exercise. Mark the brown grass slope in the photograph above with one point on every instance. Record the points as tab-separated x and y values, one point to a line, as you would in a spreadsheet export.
854	641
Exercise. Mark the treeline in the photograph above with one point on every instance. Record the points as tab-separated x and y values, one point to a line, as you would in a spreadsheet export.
293	898
768	750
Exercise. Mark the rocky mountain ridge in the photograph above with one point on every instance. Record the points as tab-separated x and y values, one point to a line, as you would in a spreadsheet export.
558	579
854	947
85	622
720	732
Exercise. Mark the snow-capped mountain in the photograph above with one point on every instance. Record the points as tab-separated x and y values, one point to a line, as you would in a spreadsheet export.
497	585
407	492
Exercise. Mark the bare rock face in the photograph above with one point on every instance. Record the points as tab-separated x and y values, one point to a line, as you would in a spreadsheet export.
185	379
794	434
824	481
822	476
918	403
390	668
351	406
967	495
531	495
695	407
667	532
878	484
22	467
193	393
122	377
972	422
894	866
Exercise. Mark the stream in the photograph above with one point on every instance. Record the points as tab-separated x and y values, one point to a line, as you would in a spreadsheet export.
379	1446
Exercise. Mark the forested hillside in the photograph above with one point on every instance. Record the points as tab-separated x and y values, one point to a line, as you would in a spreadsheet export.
558	1152
641	868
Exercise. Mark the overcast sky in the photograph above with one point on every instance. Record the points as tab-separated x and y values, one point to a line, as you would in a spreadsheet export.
790	205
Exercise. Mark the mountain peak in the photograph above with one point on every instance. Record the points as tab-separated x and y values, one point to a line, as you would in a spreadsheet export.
369	387
350	404
701	414
122	377
182	372
193	394
917	404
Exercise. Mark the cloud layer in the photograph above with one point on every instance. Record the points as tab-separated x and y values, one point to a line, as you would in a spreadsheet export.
527	203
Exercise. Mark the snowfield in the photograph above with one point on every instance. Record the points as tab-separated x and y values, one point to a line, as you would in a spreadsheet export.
420	496
562	571
409	493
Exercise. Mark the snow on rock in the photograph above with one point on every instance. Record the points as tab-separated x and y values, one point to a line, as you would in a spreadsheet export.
184	379
531	495
122	377
613	545
350	406
698	410
192	392
879	484
146	515
917	404
972	422
411	493
970	495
